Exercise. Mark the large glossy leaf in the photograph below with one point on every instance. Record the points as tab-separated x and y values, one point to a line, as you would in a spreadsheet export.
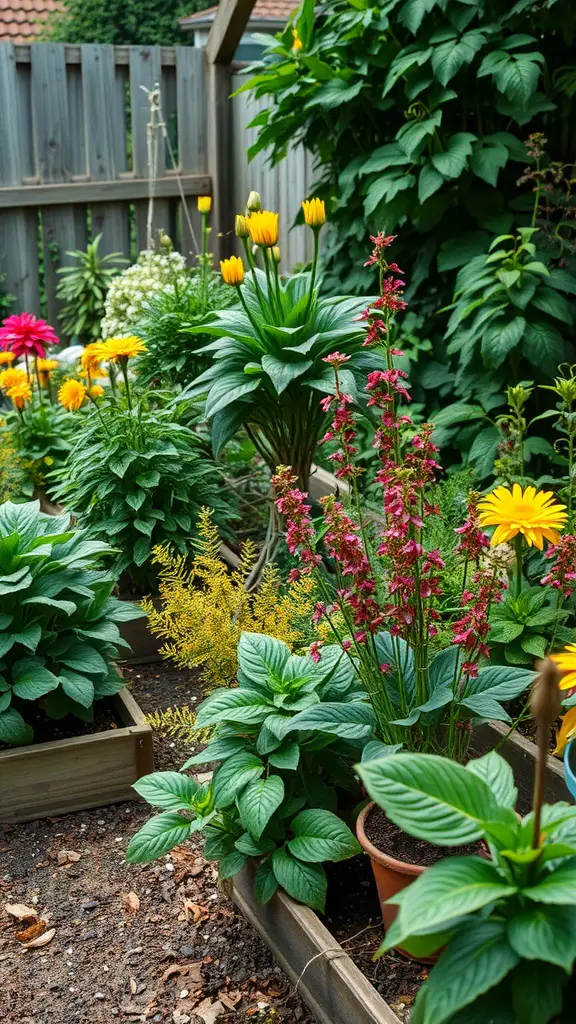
158	836
431	797
234	775
352	720
304	882
245	706
13	728
499	776
545	933
172	791
258	801
321	835
260	656
557	886
537	992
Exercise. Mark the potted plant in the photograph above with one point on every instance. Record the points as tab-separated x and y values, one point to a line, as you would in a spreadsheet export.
274	796
59	644
504	926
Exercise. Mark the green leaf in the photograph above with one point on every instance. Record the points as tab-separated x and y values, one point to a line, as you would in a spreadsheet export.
499	340
549	301
351	720
545	933
283	373
30	680
537	992
501	682
77	687
13	728
244	706
304	882
498	775
487	160
475	961
118	464
265	883
260	656
449	889
258	801
227	390
502	632
286	756
543	346
431	797
233	775
452	162
429	182
458	412
172	791
84	658
231	864
217	750
158	836
321	835
558	887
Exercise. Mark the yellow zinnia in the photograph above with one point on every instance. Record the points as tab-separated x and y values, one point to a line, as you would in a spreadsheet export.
121	349
20	394
263	228
314	212
12	377
204	204
531	513
71	394
96	391
90	358
232	270
6	358
45	367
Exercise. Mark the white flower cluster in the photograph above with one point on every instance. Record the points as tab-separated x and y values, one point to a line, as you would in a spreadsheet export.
152	273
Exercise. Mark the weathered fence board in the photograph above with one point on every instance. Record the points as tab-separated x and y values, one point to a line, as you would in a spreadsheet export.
75	160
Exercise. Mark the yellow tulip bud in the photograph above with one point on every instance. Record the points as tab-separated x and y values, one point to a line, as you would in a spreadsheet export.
241	227
254	203
204	204
314	213
276	253
263	228
232	271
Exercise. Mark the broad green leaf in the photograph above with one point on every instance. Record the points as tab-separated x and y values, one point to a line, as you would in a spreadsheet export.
265	882
500	339
453	160
537	992
431	797
429	182
231	864
258	801
158	836
545	933
304	882
245	706
260	656
498	774
30	680
500	682
13	728
352	720
172	791
558	887
233	775
84	658
286	756
217	750
321	835
283	373
80	688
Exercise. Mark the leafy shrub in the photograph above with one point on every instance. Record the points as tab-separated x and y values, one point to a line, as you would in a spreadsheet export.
275	794
43	438
83	288
205	607
58	634
167	328
12	469
504	925
121	22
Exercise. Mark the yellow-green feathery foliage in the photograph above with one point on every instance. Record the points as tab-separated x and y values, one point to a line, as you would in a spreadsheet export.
11	466
180	723
204	607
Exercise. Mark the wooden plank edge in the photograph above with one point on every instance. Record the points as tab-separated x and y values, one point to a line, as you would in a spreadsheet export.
322	962
521	753
125	189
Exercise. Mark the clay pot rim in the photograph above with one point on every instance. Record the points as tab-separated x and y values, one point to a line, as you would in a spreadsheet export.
401	866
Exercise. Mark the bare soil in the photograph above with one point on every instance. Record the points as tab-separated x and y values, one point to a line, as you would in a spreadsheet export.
386	836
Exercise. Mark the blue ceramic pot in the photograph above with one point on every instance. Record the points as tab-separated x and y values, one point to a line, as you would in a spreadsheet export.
570	767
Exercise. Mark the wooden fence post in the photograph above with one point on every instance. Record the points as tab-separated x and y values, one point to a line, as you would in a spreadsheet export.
225	34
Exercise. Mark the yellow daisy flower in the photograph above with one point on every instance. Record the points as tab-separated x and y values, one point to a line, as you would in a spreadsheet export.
20	394
566	662
12	377
314	212
531	513
45	368
566	732
71	395
96	391
263	228
120	349
90	358
6	358
232	270
204	204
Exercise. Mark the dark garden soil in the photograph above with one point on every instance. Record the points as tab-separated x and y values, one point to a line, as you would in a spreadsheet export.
386	836
47	729
154	942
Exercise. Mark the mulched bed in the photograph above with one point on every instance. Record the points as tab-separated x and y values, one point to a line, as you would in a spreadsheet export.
149	942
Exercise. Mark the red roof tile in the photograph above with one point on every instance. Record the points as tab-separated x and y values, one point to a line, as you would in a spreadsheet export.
22	20
263	10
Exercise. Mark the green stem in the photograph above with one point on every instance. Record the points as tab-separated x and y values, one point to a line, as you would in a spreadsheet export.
313	274
246	310
518	574
204	258
265	255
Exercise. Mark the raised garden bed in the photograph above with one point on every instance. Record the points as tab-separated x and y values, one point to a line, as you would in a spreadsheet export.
59	776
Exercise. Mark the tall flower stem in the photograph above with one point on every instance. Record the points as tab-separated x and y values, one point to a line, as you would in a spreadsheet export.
518	564
252	264
267	256
204	259
314	269
247	311
37	375
277	284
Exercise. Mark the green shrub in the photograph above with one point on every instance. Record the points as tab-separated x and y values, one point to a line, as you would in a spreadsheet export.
58	634
274	796
83	288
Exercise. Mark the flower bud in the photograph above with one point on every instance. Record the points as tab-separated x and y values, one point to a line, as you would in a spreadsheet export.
204	204
545	697
254	203
276	253
240	226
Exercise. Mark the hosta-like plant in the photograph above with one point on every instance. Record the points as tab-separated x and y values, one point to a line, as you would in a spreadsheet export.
507	923
285	740
269	358
59	637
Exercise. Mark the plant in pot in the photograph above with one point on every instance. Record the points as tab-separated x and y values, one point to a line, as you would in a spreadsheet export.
59	638
274	797
503	925
424	663
135	475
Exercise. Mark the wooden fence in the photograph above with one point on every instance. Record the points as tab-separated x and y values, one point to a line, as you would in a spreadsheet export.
74	155
75	161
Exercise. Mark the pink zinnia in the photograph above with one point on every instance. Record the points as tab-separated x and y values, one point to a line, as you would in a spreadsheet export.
25	335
